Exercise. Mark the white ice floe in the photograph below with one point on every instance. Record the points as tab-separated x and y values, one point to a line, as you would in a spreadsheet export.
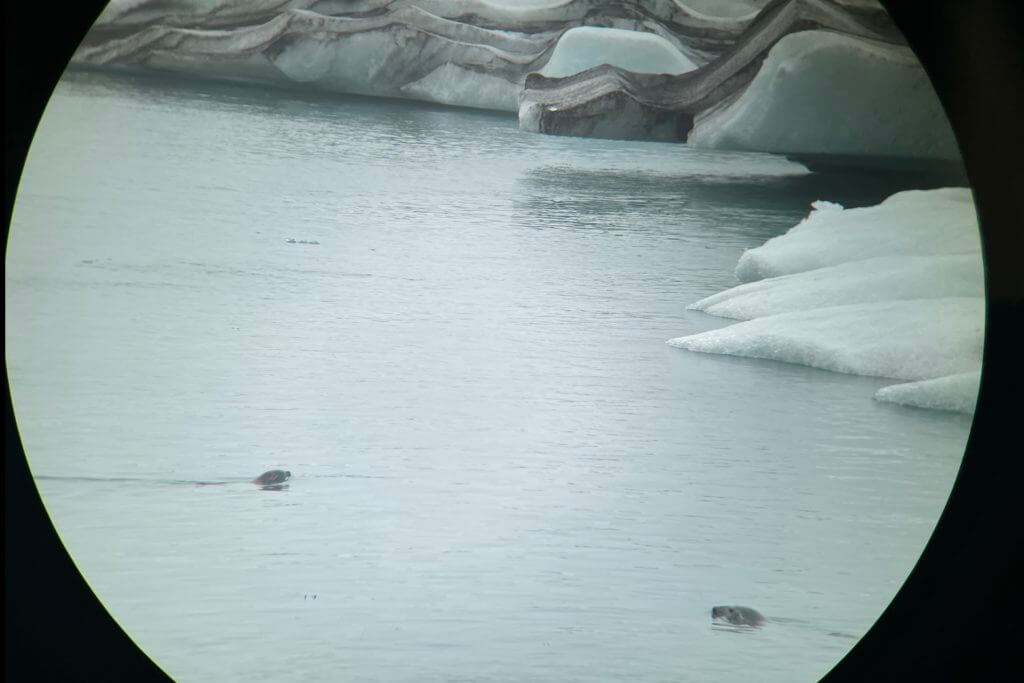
825	92
957	393
864	281
905	339
584	47
916	222
893	290
847	87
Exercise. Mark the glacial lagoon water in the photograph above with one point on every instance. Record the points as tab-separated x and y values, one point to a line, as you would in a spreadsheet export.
453	334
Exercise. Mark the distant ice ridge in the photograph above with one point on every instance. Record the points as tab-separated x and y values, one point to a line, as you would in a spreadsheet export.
801	77
892	290
957	393
473	53
789	76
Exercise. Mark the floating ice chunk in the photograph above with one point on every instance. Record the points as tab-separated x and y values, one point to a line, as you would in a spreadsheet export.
892	290
825	92
584	47
884	278
909	339
916	222
956	393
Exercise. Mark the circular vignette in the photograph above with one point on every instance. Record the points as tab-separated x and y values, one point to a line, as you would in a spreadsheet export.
933	626
57	629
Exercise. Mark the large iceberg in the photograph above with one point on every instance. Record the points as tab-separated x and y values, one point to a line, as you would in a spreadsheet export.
894	290
800	76
910	339
460	52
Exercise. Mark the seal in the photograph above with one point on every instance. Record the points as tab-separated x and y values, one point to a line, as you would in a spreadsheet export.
272	478
740	616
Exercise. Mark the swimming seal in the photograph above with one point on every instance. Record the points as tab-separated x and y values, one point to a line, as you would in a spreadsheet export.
740	616
272	477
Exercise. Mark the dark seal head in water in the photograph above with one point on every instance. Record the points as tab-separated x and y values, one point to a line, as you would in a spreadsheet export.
272	477
740	616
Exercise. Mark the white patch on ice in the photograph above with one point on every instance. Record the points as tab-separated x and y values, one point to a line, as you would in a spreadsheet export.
957	393
892	290
584	47
915	222
736	10
829	93
912	340
455	85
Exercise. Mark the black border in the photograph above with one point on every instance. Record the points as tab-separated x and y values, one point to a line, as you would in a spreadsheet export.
55	628
956	617
946	622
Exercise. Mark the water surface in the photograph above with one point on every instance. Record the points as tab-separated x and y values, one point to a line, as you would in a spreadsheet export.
453	334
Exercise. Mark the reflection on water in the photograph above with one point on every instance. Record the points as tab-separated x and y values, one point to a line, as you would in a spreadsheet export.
501	472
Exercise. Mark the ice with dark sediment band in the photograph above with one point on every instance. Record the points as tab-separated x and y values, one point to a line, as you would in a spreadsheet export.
789	76
458	52
804	76
747	74
585	47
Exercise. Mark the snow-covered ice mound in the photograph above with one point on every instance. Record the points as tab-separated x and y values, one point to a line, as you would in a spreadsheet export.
909	339
854	282
815	77
954	392
584	47
794	76
473	53
915	222
893	290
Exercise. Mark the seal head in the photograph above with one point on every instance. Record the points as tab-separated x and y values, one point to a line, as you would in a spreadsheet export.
273	478
739	616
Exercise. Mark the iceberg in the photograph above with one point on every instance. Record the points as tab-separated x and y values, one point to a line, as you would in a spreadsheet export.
905	339
894	290
733	75
854	282
803	77
460	52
